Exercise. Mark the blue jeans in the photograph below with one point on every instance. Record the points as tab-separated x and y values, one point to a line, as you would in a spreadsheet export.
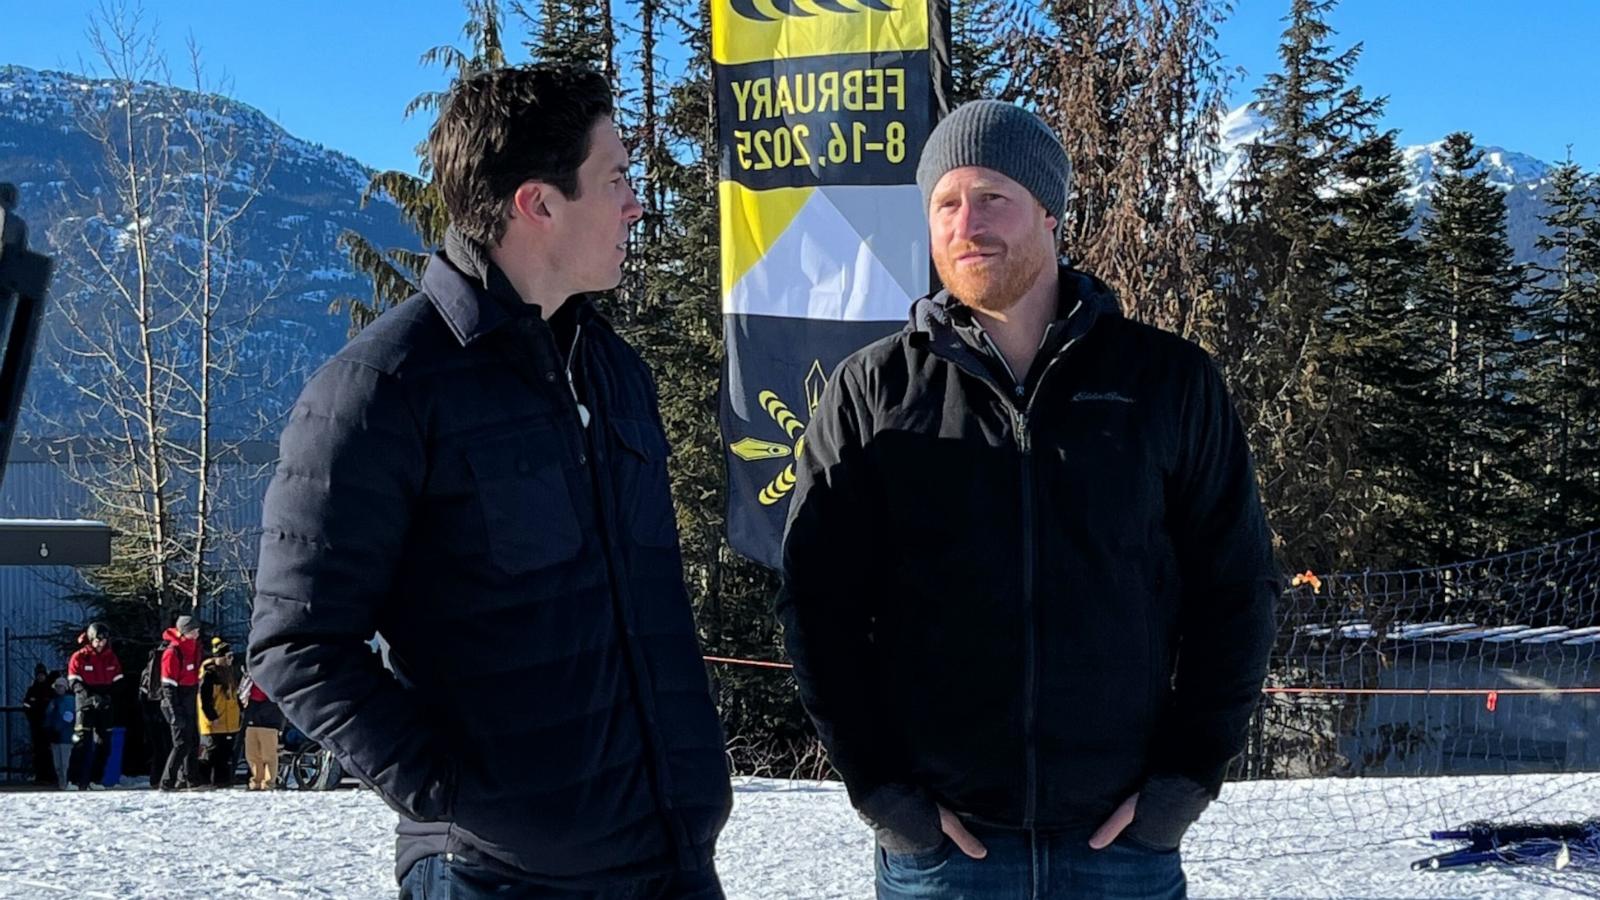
443	878
1029	865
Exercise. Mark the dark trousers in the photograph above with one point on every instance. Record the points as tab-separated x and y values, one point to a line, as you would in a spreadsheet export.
44	770
90	747
183	724
218	760
157	738
443	878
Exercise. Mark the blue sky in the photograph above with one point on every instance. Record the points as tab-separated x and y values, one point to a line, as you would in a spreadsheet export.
339	72
1520	75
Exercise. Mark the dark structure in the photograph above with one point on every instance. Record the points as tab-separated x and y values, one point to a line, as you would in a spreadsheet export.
24	279
1421	726
24	283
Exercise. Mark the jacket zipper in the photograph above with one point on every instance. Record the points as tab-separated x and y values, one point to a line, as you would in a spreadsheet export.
594	460
1030	682
606	495
1030	652
1030	706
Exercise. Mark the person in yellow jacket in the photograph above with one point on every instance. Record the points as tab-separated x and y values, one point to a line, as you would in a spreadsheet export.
221	716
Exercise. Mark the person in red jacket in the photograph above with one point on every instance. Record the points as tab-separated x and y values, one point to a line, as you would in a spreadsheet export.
180	680
91	672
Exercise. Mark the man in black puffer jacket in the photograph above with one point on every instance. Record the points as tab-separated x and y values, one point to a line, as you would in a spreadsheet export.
481	477
1028	582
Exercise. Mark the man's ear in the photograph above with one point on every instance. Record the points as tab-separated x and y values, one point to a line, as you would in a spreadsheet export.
529	201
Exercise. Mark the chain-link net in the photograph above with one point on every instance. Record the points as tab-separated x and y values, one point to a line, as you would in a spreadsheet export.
1482	668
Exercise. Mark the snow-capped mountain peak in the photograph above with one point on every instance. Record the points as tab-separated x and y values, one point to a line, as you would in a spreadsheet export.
1245	125
284	250
1523	178
1506	169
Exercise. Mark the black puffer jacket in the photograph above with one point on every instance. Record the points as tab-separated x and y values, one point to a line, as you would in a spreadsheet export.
988	591
435	485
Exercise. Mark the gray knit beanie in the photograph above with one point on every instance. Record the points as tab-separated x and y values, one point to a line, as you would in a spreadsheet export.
1003	137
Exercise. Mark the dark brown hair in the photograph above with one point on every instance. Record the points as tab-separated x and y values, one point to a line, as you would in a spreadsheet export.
504	127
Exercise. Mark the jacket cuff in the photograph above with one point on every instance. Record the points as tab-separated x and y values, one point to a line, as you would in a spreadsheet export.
431	797
1168	805
904	818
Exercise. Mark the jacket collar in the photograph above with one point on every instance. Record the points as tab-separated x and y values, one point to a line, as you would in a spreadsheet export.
473	296
944	323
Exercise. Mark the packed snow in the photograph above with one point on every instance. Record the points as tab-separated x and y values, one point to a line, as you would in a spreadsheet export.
787	839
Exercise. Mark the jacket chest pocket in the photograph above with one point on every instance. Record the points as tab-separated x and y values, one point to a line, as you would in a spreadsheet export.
644	490
1105	482
527	507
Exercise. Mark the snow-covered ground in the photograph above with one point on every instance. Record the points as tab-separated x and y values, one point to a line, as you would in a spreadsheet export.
1315	838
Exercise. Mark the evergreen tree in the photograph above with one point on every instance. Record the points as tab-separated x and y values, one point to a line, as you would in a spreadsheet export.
1565	374
1372	328
649	145
1281	287
396	272
680	332
977	54
572	32
1477	483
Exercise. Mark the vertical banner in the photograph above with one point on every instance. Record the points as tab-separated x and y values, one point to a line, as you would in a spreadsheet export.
822	109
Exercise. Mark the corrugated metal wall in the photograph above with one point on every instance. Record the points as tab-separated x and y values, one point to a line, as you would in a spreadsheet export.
30	596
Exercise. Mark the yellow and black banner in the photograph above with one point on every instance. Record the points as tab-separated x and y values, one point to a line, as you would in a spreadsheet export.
822	109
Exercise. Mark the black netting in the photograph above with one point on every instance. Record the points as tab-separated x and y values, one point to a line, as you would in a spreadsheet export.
1484	669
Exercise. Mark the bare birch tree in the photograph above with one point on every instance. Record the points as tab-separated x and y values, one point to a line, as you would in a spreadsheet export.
155	308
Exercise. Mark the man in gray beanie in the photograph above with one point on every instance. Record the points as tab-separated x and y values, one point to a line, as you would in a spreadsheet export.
1009	518
1005	138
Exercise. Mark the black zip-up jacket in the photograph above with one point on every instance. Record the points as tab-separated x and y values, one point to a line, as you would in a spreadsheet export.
1028	602
435	485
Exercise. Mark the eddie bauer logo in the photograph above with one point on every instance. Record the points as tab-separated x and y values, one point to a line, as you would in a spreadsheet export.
793	8
1092	396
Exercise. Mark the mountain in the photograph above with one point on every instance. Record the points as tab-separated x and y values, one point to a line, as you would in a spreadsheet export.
1523	178
284	247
